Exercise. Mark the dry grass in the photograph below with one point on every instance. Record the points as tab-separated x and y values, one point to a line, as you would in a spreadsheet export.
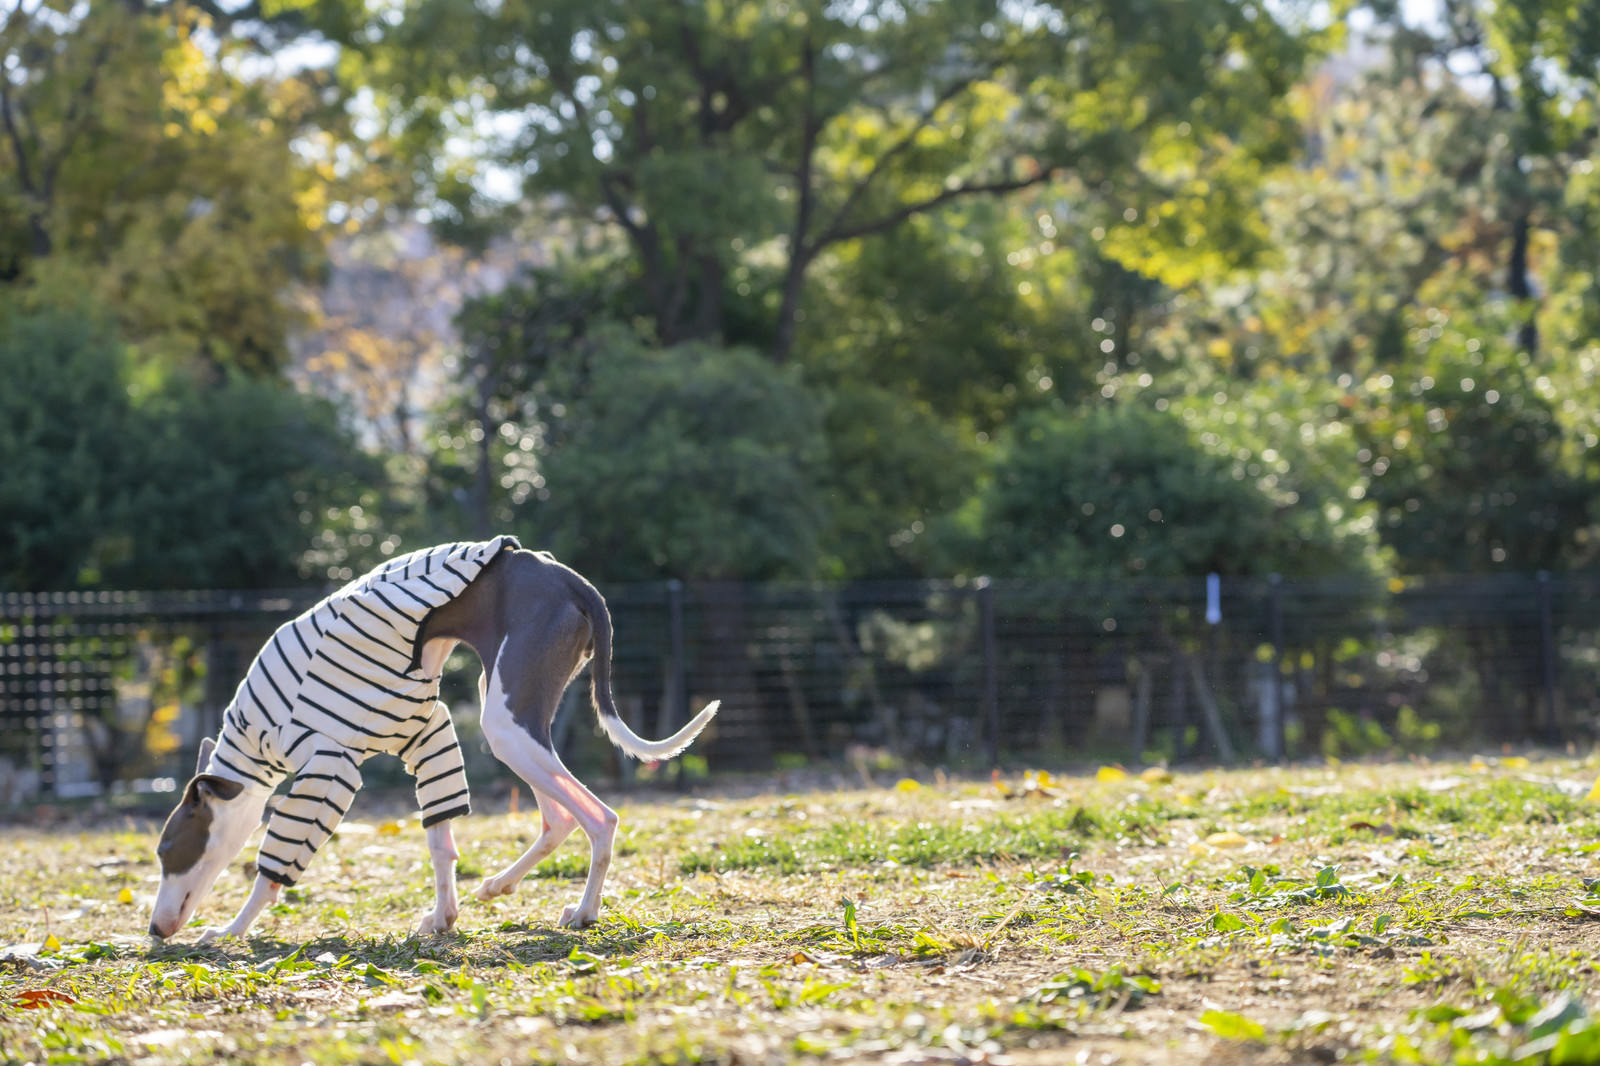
1405	912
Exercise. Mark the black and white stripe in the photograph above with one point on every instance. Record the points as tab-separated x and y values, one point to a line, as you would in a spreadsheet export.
342	682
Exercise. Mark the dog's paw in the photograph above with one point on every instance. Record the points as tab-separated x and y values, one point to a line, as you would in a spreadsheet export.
573	918
490	887
212	933
435	922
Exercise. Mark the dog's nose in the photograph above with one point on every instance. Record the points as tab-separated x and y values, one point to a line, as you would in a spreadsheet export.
155	930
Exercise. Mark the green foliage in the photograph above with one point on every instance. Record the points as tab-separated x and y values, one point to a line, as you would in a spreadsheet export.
1467	455
964	223
1112	988
710	138
932	311
1127	490
63	446
188	485
893	468
1232	1026
139	169
690	462
234	484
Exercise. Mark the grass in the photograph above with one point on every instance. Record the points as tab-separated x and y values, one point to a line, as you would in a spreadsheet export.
1411	912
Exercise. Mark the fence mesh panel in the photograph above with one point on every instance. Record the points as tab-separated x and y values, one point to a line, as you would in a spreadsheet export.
112	690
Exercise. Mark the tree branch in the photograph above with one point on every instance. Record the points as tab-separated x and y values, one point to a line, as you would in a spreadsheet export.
73	121
799	253
866	229
14	136
950	92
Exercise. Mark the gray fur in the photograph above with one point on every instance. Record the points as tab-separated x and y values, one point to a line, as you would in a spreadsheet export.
555	620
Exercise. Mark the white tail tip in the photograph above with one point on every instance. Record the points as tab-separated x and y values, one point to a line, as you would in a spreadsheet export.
640	748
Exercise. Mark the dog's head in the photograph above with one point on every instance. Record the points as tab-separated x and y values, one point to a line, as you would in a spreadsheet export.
203	834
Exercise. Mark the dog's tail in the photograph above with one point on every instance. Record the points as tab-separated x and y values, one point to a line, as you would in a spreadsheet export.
593	606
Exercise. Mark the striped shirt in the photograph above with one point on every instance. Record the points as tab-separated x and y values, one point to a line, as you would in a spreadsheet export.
340	683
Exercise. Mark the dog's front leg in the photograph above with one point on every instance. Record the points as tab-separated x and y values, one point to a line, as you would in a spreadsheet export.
263	893
442	847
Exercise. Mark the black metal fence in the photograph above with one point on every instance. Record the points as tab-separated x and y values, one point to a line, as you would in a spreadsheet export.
108	690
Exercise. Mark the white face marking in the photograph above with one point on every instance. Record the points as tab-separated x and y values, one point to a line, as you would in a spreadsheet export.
181	892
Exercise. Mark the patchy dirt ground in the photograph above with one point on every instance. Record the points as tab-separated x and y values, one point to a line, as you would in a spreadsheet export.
1396	912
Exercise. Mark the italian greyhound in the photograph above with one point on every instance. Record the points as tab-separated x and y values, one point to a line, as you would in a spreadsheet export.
534	624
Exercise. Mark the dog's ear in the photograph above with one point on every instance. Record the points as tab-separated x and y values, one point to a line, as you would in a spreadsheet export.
207	787
207	746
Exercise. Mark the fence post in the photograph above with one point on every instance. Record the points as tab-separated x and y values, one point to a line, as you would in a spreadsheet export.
678	679
1272	705
1547	647
991	670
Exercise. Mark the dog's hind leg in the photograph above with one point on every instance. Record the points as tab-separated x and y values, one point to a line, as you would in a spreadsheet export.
542	664
558	825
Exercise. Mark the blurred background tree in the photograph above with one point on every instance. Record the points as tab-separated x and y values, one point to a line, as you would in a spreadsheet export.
752	290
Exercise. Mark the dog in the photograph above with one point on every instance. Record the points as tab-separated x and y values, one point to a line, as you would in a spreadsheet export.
358	674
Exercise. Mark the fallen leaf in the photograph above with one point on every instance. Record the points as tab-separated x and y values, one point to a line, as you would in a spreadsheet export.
391	828
34	998
1111	773
907	784
50	943
1232	1026
1227	839
1594	793
1515	762
125	896
1156	775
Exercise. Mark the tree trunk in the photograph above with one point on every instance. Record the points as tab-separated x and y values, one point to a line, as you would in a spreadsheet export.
708	306
479	511
789	308
1517	283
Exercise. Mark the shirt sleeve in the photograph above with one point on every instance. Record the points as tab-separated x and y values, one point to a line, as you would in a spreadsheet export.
317	801
435	760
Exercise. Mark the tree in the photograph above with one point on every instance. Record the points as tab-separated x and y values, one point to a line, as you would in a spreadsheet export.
137	167
714	136
189	486
1466	454
693	462
893	469
234	485
525	358
1131	491
63	447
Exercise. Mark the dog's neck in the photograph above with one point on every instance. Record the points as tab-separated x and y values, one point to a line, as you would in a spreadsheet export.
239	739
